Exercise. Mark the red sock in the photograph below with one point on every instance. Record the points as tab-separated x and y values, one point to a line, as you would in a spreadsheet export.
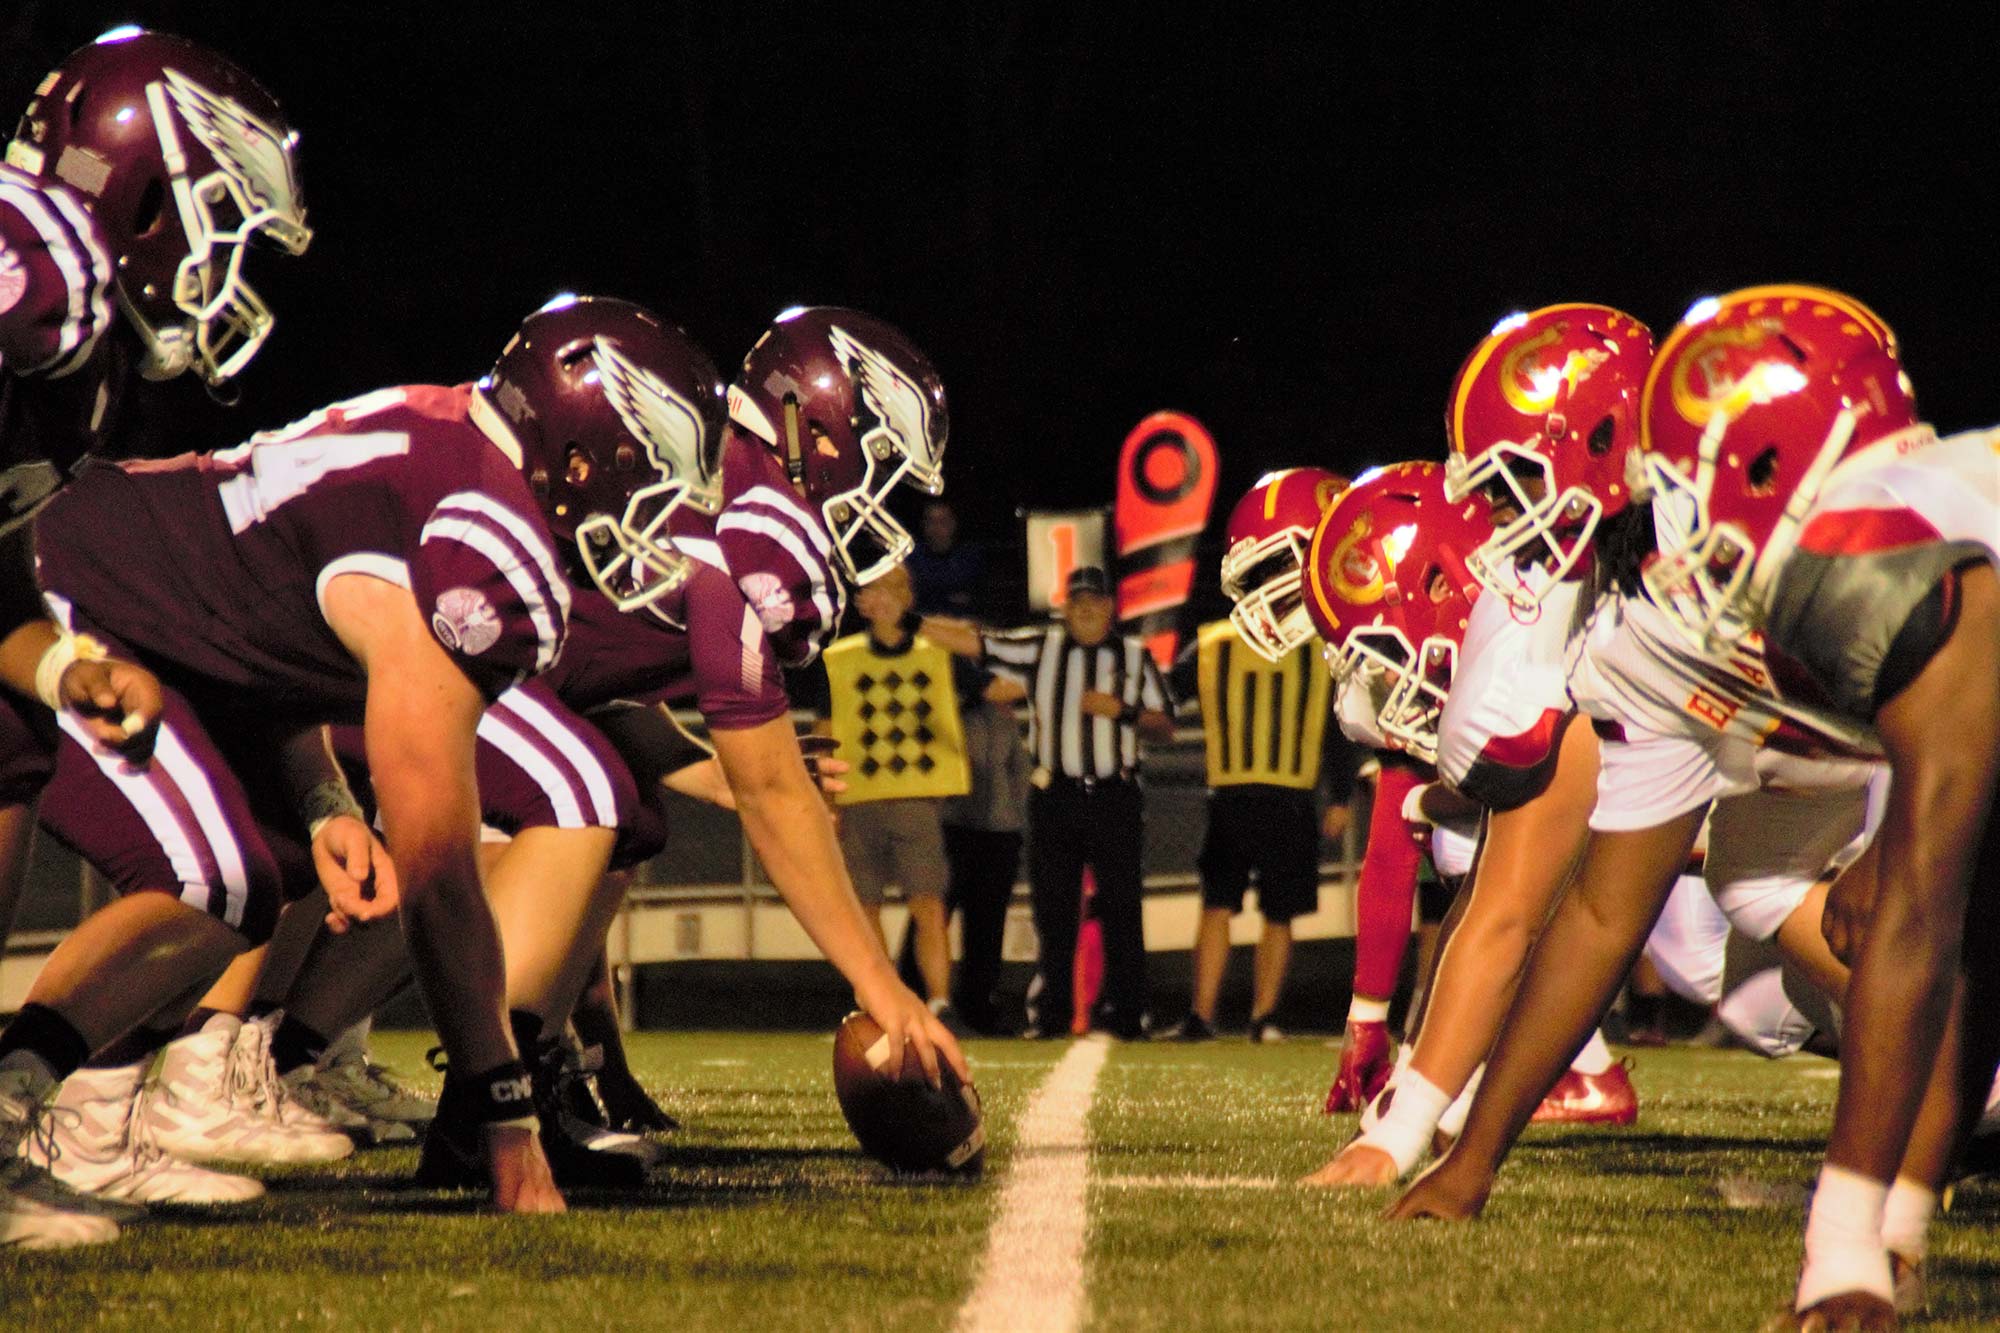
1388	887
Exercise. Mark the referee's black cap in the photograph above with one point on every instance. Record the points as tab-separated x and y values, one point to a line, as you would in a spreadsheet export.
1089	579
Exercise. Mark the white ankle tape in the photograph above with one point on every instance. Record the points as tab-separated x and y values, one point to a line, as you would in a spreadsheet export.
1844	1249
1404	1131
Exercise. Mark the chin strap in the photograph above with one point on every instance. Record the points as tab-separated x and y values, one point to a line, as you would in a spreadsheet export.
795	462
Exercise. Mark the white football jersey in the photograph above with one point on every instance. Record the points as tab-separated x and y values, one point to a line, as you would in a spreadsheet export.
1952	485
1509	694
1683	728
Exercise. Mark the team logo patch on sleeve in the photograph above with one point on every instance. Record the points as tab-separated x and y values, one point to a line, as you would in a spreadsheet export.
465	622
769	598
13	280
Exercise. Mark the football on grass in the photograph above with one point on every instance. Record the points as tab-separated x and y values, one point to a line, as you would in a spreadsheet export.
900	1119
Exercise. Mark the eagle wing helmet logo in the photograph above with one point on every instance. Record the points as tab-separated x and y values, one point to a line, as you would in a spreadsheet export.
668	424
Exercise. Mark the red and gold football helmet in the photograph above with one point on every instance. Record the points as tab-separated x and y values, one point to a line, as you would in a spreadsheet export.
1541	417
181	159
1263	556
1388	588
1754	399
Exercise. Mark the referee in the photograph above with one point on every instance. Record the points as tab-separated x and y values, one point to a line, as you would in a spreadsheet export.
1092	695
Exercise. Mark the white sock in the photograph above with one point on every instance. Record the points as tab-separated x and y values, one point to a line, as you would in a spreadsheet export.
1906	1217
1594	1058
1844	1250
1364	1010
1404	1131
1452	1122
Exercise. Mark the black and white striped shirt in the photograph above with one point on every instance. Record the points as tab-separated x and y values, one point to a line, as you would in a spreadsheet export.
1056	670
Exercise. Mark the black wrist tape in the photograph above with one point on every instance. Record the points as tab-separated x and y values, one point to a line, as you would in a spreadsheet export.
501	1094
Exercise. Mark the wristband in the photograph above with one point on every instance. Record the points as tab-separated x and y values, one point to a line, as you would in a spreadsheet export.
65	652
503	1097
326	802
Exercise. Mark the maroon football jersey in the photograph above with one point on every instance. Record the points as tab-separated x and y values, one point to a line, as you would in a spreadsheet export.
720	659
776	548
55	305
211	566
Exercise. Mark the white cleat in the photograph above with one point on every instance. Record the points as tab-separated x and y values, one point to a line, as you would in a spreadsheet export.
254	1079
203	1107
28	1222
361	1085
94	1146
306	1088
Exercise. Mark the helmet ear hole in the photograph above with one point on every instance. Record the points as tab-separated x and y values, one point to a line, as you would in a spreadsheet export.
152	208
1762	474
1601	437
576	466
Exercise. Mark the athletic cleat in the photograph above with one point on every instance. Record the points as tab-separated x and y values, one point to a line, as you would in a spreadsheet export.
203	1106
255	1080
28	1221
1264	1032
92	1147
1591	1099
1366	1060
304	1088
362	1086
1193	1028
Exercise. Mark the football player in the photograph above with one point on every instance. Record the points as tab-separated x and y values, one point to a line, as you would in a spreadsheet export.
694	599
1681	732
1263	575
141	170
1796	490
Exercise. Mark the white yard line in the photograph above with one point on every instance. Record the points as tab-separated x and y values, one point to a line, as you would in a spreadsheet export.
1189	1182
1032	1275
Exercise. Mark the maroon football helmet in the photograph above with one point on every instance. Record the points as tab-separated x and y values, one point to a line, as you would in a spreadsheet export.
1263	556
1388	588
1752	402
1542	416
616	418
181	159
852	408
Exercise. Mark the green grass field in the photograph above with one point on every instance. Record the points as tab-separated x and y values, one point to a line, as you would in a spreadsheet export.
767	1218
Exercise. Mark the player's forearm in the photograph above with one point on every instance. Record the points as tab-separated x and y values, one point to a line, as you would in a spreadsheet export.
792	834
455	949
21	653
1523	865
1575	969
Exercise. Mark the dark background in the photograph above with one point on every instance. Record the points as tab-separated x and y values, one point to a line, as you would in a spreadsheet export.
1293	226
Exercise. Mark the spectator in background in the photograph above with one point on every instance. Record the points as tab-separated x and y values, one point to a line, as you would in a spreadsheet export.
893	707
1268	749
982	841
948	573
1093	694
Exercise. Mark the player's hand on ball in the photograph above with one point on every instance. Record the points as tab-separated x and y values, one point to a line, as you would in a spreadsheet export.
1446	1193
907	1020
1358	1164
355	870
521	1179
118	703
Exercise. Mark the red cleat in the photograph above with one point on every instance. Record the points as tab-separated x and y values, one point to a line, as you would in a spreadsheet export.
1366	1061
1591	1099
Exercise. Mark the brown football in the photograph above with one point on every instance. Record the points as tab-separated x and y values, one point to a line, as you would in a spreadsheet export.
899	1118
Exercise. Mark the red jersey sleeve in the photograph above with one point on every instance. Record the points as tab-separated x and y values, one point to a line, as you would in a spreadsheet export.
54	279
737	683
486	578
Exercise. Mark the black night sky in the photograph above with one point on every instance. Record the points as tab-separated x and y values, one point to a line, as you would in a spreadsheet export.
1293	222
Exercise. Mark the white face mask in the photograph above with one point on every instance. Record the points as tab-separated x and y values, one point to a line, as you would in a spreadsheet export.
1357	705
